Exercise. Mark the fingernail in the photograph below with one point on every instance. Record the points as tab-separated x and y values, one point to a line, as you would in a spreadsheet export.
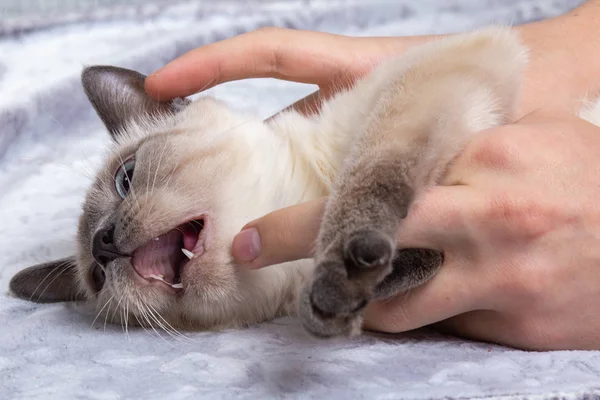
246	245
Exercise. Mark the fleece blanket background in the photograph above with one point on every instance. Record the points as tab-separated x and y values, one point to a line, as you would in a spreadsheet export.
51	142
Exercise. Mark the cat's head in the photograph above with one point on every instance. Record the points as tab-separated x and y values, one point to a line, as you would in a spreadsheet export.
180	175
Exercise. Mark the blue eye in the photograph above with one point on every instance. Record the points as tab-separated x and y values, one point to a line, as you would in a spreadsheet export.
124	177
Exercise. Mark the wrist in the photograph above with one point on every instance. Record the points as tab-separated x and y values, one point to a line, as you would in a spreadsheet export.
564	64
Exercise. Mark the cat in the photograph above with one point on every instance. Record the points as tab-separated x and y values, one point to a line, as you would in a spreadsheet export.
154	239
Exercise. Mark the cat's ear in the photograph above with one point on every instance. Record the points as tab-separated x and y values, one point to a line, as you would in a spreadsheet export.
118	97
50	282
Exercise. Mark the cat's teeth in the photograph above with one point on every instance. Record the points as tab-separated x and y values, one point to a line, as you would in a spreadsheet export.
187	253
156	239
161	278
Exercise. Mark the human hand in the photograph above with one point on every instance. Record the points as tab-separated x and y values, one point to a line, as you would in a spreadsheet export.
323	59
517	221
556	78
562	63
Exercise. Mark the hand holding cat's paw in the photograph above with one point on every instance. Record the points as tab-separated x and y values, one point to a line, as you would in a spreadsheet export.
520	257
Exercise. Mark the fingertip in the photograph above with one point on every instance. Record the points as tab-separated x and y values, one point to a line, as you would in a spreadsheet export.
179	78
281	236
152	84
246	247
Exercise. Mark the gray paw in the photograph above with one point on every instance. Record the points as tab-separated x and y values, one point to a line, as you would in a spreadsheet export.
364	270
367	249
343	283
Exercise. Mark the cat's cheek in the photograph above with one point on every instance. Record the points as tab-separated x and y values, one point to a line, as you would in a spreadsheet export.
207	275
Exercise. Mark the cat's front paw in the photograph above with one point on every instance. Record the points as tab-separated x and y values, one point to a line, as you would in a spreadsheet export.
327	311
344	282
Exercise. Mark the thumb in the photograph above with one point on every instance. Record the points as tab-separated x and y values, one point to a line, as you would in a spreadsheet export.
284	235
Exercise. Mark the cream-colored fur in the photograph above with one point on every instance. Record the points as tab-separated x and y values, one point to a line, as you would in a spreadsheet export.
234	168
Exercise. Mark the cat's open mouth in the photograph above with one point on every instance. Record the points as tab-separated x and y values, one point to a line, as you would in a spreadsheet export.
163	258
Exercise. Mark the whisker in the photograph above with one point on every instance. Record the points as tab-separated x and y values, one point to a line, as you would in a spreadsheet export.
57	271
126	308
171	174
175	331
215	79
158	166
161	325
103	307
106	315
67	133
197	224
112	317
86	174
122	165
141	323
145	316
151	208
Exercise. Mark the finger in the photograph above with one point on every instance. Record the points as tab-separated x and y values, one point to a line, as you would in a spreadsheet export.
494	327
308	105
440	218
455	289
299	56
284	235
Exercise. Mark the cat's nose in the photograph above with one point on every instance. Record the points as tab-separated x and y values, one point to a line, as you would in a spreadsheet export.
103	246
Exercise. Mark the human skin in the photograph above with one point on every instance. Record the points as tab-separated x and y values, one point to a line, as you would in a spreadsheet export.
515	216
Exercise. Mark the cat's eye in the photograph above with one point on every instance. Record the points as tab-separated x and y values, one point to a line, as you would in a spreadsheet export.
124	177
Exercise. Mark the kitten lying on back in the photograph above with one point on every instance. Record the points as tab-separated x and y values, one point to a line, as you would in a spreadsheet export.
184	177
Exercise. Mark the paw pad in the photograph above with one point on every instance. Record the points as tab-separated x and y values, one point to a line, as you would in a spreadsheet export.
368	249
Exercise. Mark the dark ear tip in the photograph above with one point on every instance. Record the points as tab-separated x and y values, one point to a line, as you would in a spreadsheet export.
18	283
118	96
95	74
50	282
109	69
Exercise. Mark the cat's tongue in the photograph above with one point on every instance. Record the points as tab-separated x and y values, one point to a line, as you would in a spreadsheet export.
161	256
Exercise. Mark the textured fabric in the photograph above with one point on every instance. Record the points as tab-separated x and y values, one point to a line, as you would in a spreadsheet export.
50	144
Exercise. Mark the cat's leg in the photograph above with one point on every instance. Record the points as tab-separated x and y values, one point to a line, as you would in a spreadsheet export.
431	107
356	248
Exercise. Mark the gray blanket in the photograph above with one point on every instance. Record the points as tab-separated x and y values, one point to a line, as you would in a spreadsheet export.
51	142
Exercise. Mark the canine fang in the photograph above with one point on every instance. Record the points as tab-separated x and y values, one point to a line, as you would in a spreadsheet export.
187	253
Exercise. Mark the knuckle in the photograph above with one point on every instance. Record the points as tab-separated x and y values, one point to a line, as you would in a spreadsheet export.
437	207
515	217
497	151
270	39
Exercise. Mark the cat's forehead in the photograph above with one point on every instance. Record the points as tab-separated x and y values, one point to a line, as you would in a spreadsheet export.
206	135
204	118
